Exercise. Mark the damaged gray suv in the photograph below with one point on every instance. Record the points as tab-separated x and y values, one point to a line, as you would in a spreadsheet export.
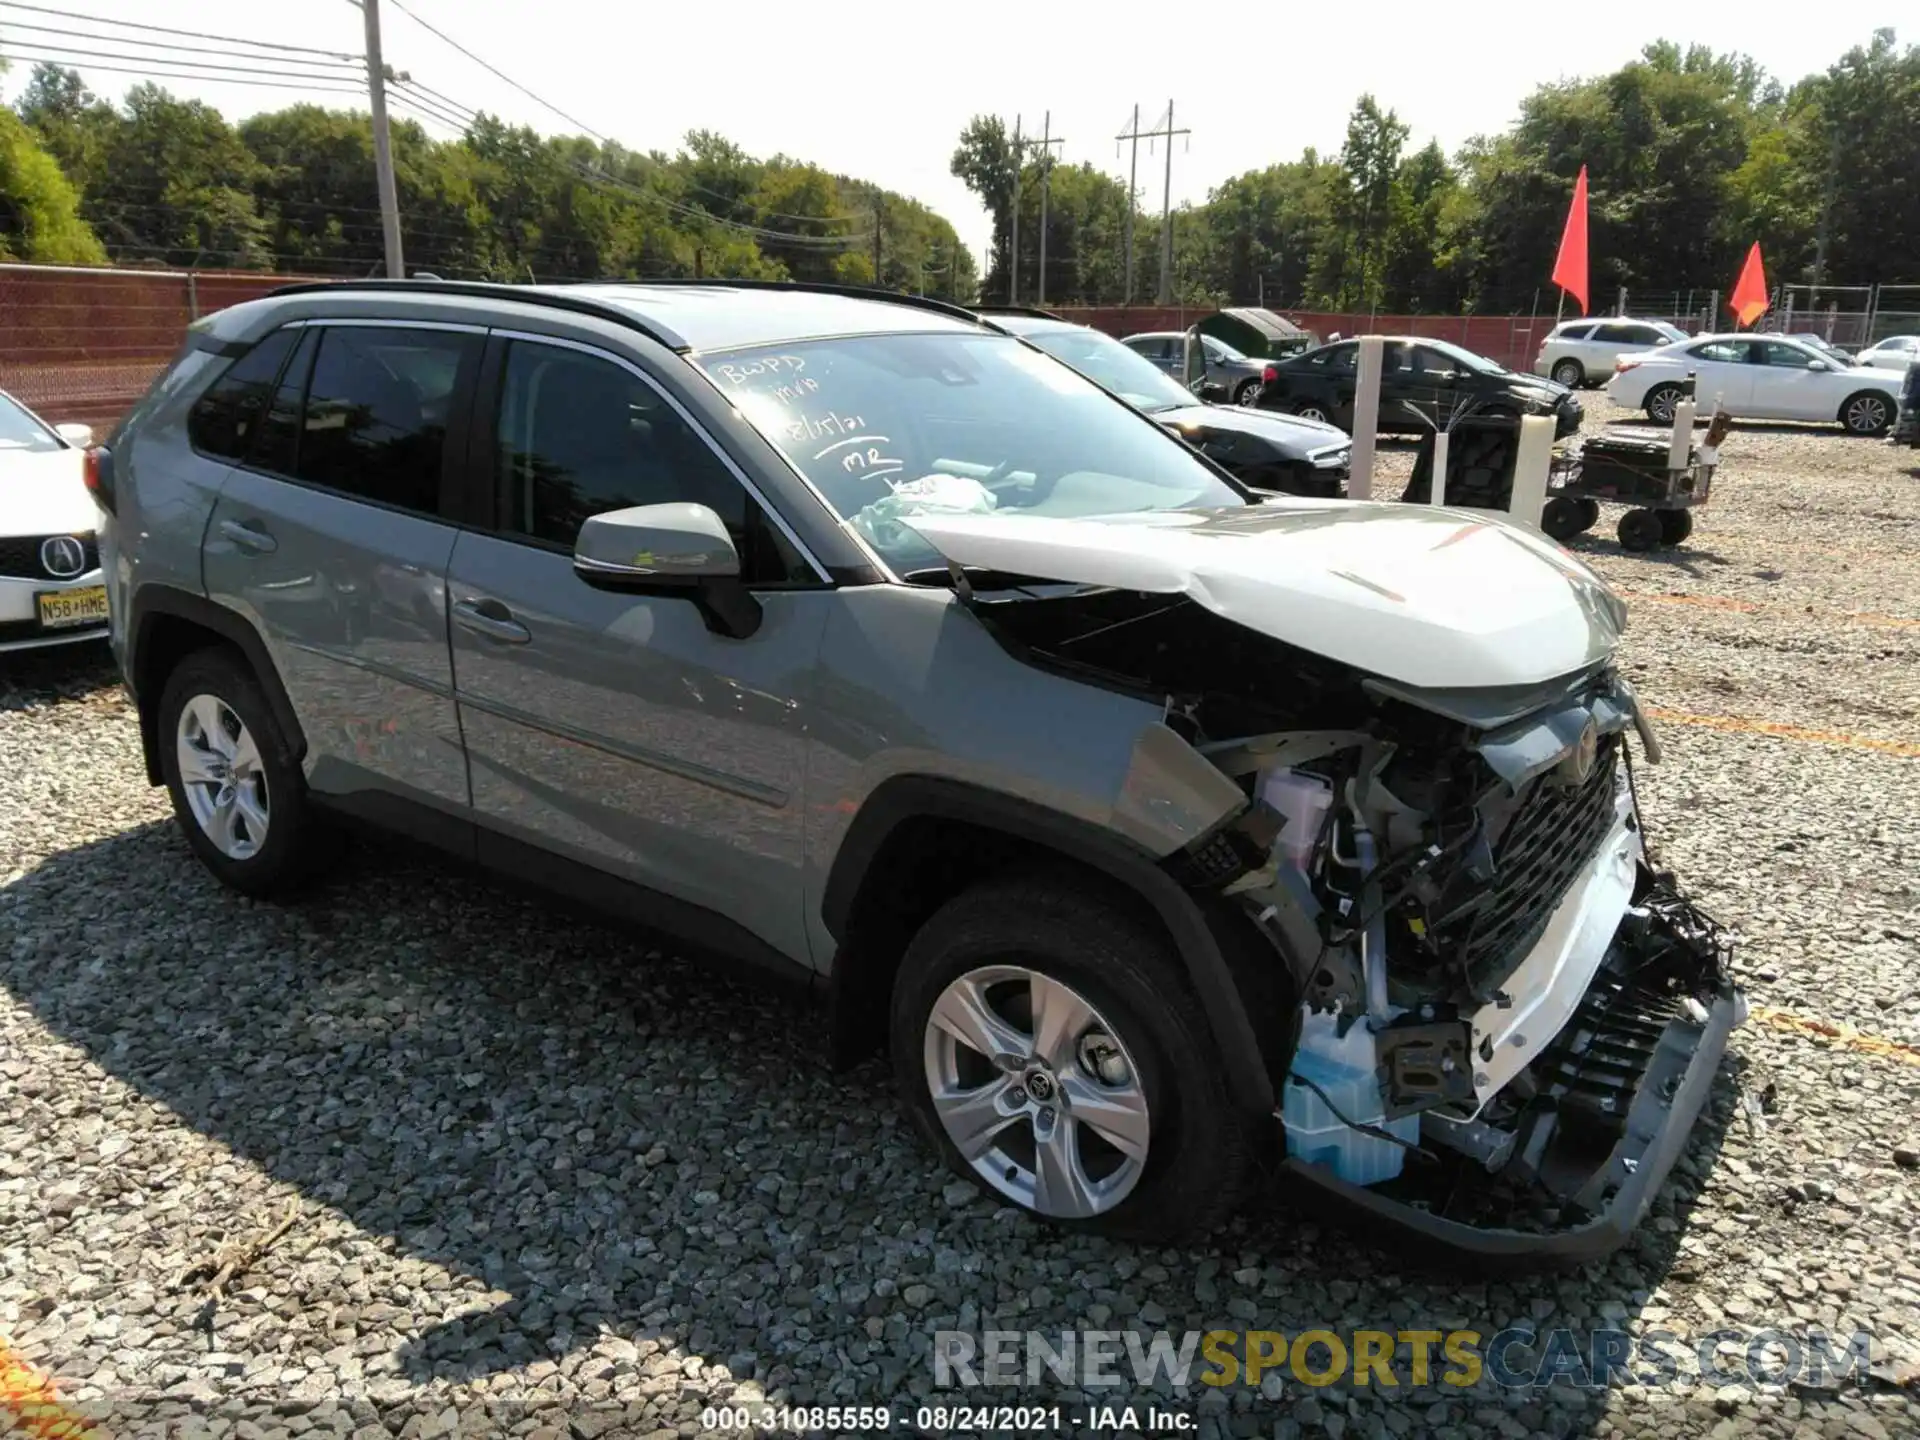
1164	834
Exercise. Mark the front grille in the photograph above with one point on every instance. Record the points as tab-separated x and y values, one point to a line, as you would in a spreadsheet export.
1545	846
20	557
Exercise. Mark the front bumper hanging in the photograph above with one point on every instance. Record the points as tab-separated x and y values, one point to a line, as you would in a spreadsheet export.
1609	1107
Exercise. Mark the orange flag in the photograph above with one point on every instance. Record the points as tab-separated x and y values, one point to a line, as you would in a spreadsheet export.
1570	269
1749	300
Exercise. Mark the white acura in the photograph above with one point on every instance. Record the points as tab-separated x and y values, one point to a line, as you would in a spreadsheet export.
51	589
1758	377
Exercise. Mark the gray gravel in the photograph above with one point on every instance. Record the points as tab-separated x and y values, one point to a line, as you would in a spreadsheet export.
542	1177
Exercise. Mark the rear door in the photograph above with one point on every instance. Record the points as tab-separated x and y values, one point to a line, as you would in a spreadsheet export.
333	535
1160	350
617	734
1722	375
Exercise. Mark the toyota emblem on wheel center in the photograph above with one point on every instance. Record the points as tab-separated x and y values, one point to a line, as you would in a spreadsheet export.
62	556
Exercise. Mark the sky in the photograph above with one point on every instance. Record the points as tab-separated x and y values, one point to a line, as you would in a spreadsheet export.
882	90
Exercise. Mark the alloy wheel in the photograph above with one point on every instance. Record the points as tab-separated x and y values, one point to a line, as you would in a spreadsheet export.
1568	373
1311	412
1037	1091
1867	415
221	773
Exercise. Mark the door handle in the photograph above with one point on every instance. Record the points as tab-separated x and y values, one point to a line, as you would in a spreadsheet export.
491	619
247	537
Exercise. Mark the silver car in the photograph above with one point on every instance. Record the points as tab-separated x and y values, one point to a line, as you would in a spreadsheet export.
1162	835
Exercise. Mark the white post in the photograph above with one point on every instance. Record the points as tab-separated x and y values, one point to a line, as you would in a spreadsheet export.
1437	494
1366	417
1680	446
1531	463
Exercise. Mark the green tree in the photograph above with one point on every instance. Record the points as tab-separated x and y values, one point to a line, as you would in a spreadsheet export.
39	211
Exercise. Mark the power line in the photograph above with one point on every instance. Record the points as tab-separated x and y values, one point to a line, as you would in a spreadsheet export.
498	74
225	51
165	30
148	73
86	59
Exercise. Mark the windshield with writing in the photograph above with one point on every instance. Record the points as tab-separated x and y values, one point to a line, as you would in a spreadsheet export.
887	427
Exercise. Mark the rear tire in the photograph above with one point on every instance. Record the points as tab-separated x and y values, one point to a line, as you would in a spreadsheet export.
1867	413
236	787
1313	410
1660	402
1639	530
1248	393
1570	373
1023	954
1589	513
1675	526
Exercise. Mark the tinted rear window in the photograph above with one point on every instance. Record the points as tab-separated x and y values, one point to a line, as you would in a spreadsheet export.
375	422
223	421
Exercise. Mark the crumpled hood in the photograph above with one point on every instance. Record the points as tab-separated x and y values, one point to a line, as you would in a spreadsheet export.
1434	598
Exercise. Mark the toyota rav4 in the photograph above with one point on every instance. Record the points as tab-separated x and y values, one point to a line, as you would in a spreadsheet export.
1161	833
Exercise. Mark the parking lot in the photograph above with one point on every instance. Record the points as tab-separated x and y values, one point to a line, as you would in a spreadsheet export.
521	1172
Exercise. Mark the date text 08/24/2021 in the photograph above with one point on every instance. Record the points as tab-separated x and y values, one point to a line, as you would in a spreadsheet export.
946	1419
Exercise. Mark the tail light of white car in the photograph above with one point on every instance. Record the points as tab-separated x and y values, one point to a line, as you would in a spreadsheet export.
96	473
1624	363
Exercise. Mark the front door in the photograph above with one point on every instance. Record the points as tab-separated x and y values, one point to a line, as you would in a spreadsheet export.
617	732
1787	387
331	535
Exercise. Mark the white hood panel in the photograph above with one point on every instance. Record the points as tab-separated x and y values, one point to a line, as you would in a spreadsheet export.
1435	598
43	493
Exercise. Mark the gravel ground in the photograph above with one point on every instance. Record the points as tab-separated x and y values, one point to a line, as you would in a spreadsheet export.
537	1177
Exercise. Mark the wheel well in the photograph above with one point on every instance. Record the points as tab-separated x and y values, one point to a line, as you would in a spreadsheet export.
1880	395
165	641
926	861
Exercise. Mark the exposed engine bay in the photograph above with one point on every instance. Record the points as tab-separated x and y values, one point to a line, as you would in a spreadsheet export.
1493	987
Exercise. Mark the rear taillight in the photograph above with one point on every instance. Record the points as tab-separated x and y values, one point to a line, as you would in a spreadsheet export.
1623	364
1270	374
97	473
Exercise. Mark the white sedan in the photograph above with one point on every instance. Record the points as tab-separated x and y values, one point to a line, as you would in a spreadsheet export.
1896	352
1758	377
51	589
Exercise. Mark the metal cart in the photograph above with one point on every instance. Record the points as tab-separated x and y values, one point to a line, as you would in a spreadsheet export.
1627	468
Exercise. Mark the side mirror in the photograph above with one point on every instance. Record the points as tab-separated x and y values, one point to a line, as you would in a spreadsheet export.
75	434
1819	365
673	549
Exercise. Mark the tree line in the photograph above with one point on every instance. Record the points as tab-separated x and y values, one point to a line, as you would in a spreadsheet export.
1692	156
162	181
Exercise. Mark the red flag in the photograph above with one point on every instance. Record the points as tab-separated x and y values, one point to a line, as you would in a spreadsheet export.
1749	301
1570	270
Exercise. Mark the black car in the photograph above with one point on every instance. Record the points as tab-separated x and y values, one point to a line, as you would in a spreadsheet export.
1424	385
1283	453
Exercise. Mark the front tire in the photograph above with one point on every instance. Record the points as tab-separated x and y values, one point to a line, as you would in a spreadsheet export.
236	787
1313	410
1570	373
1047	1045
1561	518
1640	531
1868	413
1675	526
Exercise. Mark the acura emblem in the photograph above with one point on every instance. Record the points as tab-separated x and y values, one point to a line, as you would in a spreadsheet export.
62	556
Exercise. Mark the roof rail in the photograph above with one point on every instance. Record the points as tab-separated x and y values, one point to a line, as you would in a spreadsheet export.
498	290
815	287
556	295
1033	310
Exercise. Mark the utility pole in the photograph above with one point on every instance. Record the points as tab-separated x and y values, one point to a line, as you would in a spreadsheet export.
1163	130
1133	191
1047	140
382	143
1013	240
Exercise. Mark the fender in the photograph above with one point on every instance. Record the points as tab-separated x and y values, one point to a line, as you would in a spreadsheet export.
917	797
152	606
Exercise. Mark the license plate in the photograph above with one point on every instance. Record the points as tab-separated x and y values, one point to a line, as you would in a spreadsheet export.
60	609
